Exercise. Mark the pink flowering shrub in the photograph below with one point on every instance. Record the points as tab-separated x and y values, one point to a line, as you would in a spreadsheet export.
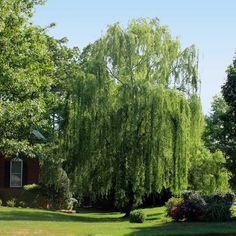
192	206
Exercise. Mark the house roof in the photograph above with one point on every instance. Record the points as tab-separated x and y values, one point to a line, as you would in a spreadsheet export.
38	135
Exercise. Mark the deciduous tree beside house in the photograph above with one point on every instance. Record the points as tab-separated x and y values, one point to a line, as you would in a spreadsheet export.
34	73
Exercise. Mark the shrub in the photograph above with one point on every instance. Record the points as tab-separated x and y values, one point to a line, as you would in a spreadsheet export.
194	206
177	213
73	204
58	194
137	216
0	202
11	203
54	181
21	204
173	204
31	187
219	207
190	207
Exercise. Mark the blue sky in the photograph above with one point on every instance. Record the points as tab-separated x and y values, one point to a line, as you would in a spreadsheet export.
210	25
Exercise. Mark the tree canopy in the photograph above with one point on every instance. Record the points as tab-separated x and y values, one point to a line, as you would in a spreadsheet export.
134	116
31	74
221	123
229	119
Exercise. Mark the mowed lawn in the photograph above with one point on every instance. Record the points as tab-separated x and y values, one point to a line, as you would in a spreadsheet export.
16	221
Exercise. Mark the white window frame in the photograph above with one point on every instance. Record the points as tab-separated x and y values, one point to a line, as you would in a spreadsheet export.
21	179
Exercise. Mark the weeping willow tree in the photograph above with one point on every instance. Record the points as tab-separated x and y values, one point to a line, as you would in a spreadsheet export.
134	116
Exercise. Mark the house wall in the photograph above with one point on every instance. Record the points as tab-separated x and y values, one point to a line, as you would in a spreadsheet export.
2	171
10	193
31	171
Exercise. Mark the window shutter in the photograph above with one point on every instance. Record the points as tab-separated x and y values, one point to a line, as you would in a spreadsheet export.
25	173
7	174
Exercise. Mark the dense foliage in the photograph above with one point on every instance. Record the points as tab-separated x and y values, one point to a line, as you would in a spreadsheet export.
58	193
219	207
137	216
229	119
221	123
34	74
26	72
194	206
208	172
134	116
33	71
173	207
190	206
214	134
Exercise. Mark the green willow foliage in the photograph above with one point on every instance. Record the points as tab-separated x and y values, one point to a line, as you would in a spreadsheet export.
208	172
134	116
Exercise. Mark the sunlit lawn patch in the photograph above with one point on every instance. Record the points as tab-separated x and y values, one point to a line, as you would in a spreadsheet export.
15	221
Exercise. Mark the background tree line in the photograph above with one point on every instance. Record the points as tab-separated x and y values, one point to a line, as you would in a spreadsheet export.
220	132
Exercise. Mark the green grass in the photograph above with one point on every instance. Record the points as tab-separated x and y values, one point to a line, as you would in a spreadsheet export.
15	221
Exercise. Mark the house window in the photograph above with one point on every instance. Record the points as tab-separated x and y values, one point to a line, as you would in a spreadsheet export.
16	171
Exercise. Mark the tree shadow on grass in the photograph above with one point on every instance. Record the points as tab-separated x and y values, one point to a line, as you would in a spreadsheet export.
155	216
186	229
54	216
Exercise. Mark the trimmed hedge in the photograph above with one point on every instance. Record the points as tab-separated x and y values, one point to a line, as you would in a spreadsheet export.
137	216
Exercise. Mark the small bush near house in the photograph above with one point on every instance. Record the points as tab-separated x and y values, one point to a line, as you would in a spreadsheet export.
11	203
32	197
50	196
21	204
0	202
31	187
58	194
137	216
55	184
219	207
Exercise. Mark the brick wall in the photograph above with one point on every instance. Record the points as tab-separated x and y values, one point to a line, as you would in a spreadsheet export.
33	171
2	171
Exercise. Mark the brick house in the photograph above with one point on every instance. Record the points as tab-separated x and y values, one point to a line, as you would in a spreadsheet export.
16	172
